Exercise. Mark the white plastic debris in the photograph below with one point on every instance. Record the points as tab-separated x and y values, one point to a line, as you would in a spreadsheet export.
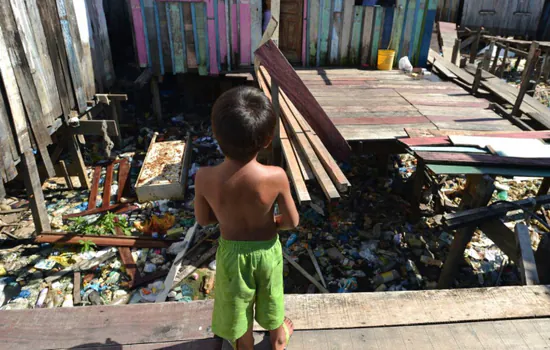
405	64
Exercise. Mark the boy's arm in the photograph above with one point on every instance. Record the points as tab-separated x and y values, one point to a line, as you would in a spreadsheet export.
288	218
203	212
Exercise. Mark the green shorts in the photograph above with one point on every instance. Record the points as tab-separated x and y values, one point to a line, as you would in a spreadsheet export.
248	274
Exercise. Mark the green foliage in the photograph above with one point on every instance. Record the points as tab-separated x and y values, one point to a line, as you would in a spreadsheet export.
105	225
87	246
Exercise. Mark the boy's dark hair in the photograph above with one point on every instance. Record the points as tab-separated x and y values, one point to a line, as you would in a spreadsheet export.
243	122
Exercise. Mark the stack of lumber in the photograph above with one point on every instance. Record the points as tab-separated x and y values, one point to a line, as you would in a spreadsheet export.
306	156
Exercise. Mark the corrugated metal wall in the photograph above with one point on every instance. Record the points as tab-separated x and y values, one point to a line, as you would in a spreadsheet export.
503	17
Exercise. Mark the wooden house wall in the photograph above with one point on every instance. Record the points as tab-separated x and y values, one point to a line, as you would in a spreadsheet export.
58	57
503	17
216	36
448	11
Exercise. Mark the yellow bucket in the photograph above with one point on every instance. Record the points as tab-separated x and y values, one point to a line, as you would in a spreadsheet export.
385	59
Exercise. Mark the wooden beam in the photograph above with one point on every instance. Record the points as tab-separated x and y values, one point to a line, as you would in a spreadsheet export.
534	54
475	47
502	236
481	159
487	56
34	192
479	190
305	274
504	61
456	52
102	241
527	265
477	79
284	75
95	128
77	158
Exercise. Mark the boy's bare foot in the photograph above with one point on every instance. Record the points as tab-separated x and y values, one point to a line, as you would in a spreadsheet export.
281	336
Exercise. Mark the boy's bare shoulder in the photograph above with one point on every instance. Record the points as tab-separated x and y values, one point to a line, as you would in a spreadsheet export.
204	174
275	173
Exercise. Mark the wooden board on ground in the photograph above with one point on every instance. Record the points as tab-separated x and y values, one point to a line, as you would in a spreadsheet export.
165	322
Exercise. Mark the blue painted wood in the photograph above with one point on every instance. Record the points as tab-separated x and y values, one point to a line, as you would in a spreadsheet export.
386	31
427	33
216	23
336	32
399	52
159	38
182	25
169	24
308	23
320	27
195	33
145	32
410	52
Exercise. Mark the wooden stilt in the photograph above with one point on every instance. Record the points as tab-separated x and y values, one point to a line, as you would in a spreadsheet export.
113	114
477	79
418	185
494	66
478	193
475	47
66	175
487	56
546	68
78	161
532	59
157	107
526	263
504	60
34	191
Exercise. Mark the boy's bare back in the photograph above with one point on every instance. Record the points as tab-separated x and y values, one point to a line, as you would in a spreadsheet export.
242	197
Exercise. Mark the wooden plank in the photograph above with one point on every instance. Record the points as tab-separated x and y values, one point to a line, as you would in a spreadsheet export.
200	36
20	70
305	274
313	26
406	45
7	143
244	25
177	40
426	36
103	43
282	73
376	33
95	127
366	38
35	46
335	33
527	265
276	14
323	33
151	32
222	34
417	30
534	54
84	34
210	34
158	39
256	14
347	21
355	43
189	36
397	28
305	34
305	169
458	158
73	60
139	32
58	56
380	120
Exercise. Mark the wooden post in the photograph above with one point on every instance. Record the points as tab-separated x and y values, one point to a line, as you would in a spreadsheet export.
276	145
494	66
526	264
477	79
66	175
475	47
157	106
546	68
418	185
479	190
516	64
532	59
34	191
487	56
504	60
456	52
113	111
542	258
543	190
78	161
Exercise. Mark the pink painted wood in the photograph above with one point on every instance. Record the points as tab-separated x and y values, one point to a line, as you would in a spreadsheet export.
222	31
245	21
304	34
139	33
234	33
211	27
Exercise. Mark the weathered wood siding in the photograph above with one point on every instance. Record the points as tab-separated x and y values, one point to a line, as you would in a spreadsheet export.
225	34
503	17
54	57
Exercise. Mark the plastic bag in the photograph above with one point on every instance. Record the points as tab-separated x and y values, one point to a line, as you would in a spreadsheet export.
405	64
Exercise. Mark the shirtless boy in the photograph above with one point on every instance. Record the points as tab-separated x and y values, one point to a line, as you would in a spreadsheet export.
240	194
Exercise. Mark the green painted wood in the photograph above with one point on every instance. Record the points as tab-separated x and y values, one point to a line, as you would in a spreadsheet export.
166	39
482	170
376	34
418	30
355	44
366	38
176	32
324	32
347	21
397	27
407	37
313	23
200	10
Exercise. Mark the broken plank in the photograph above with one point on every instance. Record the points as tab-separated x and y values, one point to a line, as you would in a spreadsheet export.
527	265
76	288
107	185
481	159
95	128
285	76
116	208
102	241
316	265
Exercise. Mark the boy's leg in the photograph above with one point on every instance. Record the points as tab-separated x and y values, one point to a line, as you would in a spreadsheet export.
246	342
279	336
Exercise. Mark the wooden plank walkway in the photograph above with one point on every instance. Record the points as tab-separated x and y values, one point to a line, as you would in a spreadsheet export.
378	105
381	318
